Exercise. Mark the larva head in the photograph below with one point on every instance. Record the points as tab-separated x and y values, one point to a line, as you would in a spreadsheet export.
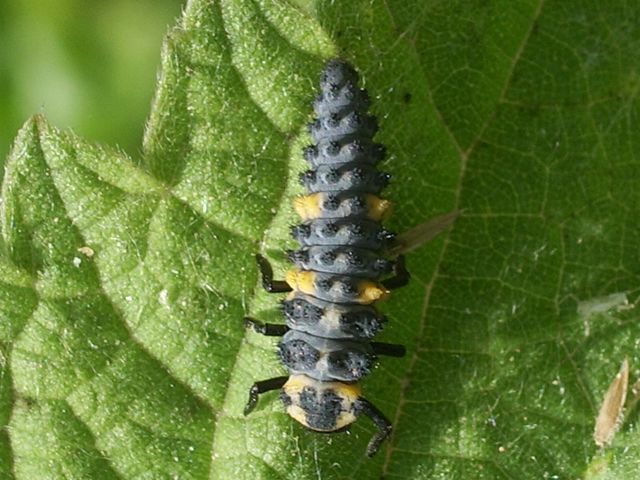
321	406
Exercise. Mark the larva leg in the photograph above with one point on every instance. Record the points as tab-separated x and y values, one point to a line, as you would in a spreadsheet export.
401	275
262	387
389	349
267	329
268	283
377	417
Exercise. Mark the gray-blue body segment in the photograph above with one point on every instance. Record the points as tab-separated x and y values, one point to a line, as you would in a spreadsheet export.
308	314
341	260
363	178
357	232
326	359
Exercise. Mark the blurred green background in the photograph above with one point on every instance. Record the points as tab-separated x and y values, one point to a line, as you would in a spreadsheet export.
87	65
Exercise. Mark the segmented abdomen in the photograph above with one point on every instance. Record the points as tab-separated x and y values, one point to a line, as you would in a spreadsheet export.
342	240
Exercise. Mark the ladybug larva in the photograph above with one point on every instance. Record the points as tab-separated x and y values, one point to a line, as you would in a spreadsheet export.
346	262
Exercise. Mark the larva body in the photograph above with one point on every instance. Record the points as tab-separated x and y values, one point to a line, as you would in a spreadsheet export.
339	270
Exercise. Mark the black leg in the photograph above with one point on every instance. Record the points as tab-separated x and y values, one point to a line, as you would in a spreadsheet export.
262	387
401	275
382	422
268	329
268	283
389	349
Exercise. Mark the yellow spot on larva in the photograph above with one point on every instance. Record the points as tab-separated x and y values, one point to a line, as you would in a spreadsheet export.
350	391
344	419
371	292
296	383
298	414
301	280
379	208
308	206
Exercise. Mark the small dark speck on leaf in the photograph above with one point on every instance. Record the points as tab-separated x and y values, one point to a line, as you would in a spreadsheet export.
406	98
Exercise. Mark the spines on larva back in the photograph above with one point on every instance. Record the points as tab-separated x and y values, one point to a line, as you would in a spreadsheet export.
344	231
357	262
330	320
342	239
335	178
343	182
326	359
343	131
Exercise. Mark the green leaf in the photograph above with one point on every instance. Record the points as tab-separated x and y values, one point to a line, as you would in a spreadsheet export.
124	282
